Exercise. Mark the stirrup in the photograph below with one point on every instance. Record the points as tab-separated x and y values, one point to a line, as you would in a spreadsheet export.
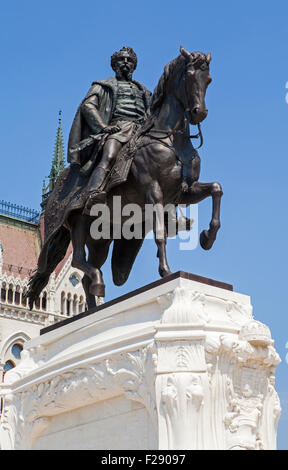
95	197
184	223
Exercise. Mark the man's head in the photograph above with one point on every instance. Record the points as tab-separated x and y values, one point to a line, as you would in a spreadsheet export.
124	62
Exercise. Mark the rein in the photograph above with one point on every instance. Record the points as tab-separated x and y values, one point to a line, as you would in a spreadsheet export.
175	131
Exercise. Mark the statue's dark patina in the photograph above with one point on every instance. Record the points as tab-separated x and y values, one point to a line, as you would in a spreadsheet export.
110	114
158	165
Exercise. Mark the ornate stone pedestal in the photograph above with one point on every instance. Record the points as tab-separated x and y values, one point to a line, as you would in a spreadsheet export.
179	364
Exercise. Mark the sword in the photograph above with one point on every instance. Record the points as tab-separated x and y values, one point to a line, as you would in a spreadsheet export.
83	144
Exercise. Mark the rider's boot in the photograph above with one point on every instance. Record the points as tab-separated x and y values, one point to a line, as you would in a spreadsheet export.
95	195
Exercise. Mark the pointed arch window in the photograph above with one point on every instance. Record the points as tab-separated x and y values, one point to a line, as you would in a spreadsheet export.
37	303
44	301
3	292
17	295
23	297
16	350
68	304
10	294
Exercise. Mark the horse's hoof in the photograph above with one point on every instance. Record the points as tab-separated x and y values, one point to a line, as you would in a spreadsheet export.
98	290
164	272
205	241
120	278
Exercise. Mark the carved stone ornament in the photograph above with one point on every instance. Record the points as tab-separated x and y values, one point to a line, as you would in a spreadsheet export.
27	412
200	366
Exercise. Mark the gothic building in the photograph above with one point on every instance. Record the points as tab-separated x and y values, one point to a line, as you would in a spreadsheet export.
21	237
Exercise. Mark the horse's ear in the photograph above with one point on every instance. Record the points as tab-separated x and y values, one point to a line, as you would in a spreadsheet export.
208	57
185	53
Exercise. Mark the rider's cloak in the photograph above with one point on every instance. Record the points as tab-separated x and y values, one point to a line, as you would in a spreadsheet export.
69	193
102	95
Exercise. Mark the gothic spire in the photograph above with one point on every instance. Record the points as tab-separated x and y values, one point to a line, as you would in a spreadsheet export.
58	164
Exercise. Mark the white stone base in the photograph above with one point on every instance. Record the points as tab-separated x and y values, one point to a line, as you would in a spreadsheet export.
179	365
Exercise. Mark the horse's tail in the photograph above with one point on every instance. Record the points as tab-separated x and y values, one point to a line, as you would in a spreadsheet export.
51	255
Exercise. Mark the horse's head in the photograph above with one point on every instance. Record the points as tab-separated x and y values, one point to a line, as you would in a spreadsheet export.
193	84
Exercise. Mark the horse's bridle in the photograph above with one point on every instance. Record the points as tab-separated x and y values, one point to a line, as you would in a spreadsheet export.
175	130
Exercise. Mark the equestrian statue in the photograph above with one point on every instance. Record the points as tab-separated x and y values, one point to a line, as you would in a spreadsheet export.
127	144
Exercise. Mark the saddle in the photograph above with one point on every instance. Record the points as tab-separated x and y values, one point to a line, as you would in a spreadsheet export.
118	174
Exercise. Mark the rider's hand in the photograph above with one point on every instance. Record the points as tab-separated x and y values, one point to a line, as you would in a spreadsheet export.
111	129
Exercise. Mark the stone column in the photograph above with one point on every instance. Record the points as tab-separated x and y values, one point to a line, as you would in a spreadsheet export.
182	382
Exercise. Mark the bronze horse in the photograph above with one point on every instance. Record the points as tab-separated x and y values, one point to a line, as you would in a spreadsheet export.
165	169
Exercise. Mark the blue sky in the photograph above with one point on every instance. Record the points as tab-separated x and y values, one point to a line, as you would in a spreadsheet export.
51	52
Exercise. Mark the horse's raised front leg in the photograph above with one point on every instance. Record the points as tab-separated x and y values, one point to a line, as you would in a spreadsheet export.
155	198
200	191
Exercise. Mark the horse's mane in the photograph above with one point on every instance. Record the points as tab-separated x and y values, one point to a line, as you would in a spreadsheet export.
159	91
175	66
